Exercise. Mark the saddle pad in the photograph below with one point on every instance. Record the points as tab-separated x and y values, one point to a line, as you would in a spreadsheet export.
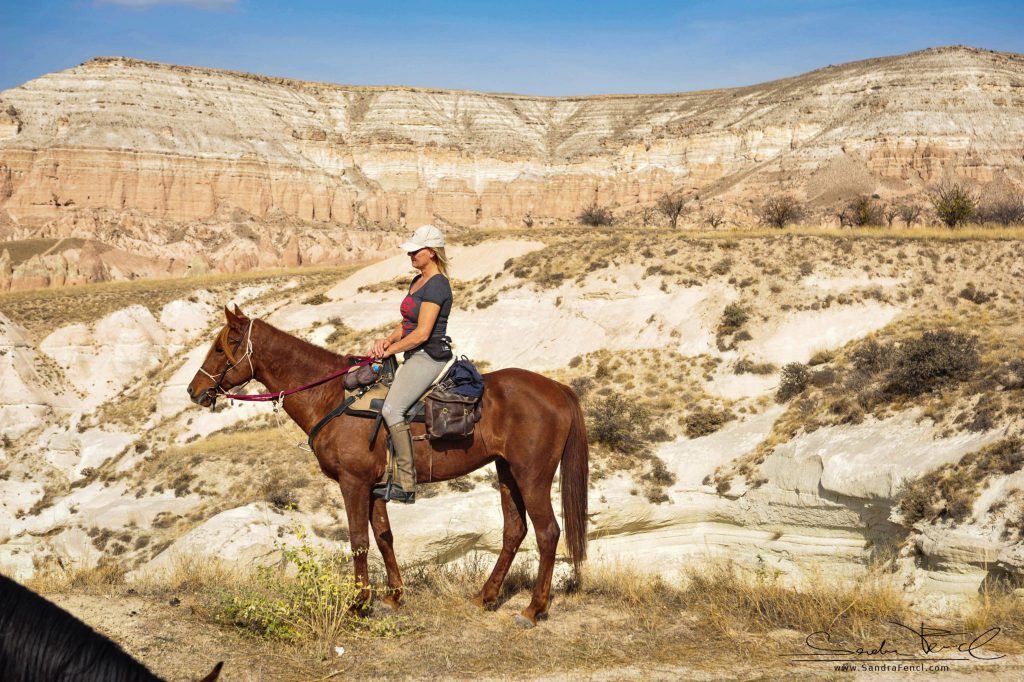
370	403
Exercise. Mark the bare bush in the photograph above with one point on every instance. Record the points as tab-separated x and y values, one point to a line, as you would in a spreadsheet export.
671	206
890	213
781	210
1006	210
596	216
909	213
954	203
714	219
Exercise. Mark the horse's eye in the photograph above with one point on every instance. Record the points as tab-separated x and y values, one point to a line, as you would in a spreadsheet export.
218	349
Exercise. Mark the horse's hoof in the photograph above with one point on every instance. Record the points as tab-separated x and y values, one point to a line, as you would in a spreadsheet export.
388	606
523	622
483	605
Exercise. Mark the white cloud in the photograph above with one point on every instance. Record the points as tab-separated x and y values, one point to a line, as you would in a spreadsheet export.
142	4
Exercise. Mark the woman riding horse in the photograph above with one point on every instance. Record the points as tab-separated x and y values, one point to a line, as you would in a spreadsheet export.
421	334
531	427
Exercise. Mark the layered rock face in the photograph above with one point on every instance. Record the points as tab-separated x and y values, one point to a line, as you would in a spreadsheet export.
180	143
181	147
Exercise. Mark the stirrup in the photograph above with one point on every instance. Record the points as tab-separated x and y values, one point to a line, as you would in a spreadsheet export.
381	490
395	493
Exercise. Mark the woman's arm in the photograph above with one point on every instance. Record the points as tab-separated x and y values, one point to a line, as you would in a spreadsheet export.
425	325
380	345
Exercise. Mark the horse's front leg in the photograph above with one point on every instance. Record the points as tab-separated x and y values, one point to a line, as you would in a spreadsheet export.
385	543
357	504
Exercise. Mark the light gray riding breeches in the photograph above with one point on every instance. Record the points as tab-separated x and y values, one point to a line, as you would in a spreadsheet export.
412	380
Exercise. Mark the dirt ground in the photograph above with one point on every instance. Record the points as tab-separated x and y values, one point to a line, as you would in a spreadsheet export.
174	639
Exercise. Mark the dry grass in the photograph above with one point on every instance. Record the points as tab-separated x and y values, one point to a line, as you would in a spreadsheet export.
718	617
23	249
41	310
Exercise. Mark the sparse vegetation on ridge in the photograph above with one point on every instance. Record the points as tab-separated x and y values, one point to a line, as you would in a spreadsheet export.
949	492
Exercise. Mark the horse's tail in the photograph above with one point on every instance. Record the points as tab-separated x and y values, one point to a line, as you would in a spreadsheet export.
575	482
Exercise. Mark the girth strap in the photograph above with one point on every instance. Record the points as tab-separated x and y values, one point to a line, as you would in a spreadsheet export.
376	427
330	415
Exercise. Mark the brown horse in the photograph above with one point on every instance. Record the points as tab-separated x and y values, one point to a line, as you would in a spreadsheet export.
530	424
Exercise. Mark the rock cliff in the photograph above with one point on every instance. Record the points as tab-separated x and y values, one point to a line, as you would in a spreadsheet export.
165	155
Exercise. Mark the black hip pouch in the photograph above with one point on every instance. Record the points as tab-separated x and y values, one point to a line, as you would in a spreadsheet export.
439	348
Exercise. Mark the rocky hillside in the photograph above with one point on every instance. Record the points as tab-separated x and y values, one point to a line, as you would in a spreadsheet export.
119	168
795	403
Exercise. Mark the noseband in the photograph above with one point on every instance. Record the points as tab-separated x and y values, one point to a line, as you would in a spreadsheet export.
225	344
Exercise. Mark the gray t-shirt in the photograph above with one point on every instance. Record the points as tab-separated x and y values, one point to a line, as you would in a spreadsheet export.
436	290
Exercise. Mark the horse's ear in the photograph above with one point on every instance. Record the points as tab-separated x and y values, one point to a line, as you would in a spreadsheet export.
241	315
232	318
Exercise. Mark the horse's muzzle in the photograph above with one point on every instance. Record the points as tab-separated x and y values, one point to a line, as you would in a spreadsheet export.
206	398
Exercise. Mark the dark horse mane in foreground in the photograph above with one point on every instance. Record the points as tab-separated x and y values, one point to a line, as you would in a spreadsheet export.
531	426
41	642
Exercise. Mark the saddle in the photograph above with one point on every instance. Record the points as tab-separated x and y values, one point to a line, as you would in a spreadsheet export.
370	399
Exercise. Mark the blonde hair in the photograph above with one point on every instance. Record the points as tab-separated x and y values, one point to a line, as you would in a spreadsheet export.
443	264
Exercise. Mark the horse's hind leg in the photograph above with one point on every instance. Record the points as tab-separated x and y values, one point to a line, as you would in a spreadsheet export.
538	505
385	543
515	530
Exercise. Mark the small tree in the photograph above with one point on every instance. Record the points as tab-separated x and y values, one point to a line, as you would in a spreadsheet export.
596	216
671	206
909	213
781	210
890	213
714	219
954	203
645	215
864	211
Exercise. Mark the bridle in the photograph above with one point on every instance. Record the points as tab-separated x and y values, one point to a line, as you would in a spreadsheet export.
225	343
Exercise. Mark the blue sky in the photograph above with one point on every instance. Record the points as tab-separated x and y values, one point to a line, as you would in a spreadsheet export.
542	48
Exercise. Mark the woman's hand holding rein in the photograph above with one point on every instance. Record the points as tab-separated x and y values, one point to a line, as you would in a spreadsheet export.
378	348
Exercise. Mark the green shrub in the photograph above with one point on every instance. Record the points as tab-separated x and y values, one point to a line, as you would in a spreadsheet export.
871	357
954	203
316	299
733	317
620	423
794	379
821	357
748	366
779	211
596	216
975	295
317	604
950	491
932	360
864	211
581	386
723	266
706	420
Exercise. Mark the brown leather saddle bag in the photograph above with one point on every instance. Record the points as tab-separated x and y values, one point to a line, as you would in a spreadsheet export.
449	415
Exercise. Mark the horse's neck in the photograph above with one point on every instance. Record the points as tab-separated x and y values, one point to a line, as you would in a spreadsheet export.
282	362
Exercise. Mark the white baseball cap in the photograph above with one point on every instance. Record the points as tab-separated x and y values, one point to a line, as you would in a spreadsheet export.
424	236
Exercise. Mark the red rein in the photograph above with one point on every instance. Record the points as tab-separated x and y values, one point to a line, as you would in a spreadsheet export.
266	397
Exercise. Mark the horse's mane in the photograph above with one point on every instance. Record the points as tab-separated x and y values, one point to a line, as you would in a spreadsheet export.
41	641
300	353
